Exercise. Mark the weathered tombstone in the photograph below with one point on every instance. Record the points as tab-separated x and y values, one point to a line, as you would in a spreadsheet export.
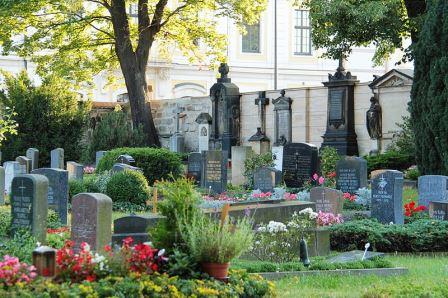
12	169
57	158
264	179
215	170
29	205
375	173
277	157
177	138
75	170
239	156
25	161
195	166
387	197
327	199
134	226
432	188
2	186
351	174
300	162
120	167
57	190
91	220
33	154
204	120
126	159
98	156
283	119
438	210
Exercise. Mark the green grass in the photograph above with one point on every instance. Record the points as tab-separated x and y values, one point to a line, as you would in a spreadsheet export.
428	277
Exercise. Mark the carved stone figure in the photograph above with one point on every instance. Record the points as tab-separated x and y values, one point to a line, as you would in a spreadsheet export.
373	119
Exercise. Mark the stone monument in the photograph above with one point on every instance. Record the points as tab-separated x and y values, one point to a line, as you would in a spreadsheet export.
283	120
214	176
387	197
351	174
300	163
204	120
33	154
57	158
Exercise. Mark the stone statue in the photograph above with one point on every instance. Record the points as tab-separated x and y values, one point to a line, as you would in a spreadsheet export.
373	119
282	141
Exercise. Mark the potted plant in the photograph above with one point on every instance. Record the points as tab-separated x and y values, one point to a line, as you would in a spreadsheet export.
214	244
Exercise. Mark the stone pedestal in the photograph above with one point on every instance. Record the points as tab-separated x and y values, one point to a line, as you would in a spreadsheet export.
177	142
259	142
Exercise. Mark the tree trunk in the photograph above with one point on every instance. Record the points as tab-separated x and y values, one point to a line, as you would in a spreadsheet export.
415	8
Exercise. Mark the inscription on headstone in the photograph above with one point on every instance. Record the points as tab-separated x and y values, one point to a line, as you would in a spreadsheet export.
336	105
438	210
195	166
215	170
327	199
387	197
351	174
57	158
264	179
33	154
432	188
300	162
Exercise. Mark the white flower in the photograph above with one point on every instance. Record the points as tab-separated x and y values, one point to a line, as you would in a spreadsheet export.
261	229
87	247
274	227
38	244
257	242
97	258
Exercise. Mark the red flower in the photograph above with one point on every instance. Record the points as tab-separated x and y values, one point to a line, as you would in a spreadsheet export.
410	209
91	278
332	175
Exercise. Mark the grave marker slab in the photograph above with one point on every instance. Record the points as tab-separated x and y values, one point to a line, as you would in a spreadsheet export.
33	154
432	188
57	158
75	170
2	186
12	169
120	167
387	197
195	166
438	210
351	174
91	220
98	156
264	179
126	159
327	199
300	162
134	226
239	156
277	157
25	161
58	196
215	170
29	205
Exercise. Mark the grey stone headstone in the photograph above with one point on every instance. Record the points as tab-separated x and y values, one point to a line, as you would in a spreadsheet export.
215	170
432	188
57	158
300	162
33	154
120	167
277	157
438	210
126	159
57	190
2	186
29	205
177	142
195	166
239	156
12	169
351	174
134	226
264	179
98	156
91	220
75	170
387	197
327	199
25	161
204	136
354	256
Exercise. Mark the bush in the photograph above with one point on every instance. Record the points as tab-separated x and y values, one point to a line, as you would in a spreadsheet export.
90	183
5	220
328	158
128	186
53	220
423	235
21	245
389	160
157	164
255	161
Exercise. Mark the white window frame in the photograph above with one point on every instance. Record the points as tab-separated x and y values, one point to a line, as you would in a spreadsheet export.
300	26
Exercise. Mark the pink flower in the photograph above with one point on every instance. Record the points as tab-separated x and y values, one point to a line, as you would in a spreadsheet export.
321	180
315	177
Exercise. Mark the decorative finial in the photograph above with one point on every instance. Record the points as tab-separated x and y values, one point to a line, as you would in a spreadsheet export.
283	92
223	70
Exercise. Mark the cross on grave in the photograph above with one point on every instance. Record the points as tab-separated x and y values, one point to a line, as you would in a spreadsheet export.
262	102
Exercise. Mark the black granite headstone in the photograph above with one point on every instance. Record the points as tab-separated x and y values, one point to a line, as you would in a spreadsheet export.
133	226
351	174
215	170
300	162
438	210
264	179
195	166
387	197
126	159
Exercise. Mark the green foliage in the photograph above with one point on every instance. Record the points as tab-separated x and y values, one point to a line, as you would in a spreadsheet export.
53	220
21	245
404	140
5	220
255	161
412	173
157	164
7	124
114	131
128	186
429	107
90	183
389	160
183	265
328	158
48	116
422	235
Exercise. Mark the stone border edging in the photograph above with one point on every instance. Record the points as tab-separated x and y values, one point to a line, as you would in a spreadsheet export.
341	272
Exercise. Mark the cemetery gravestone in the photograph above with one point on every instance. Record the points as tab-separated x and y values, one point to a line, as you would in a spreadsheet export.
277	157
126	159
57	158
120	167
195	166
327	199
387	197
264	179
91	220
2	186
29	205
283	119
351	174
239	156
57	190
98	156
432	188
33	154
134	226
215	170
438	210
26	162
75	170
204	120
12	169
300	162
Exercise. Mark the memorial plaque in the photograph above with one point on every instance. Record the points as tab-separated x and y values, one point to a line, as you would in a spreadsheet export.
432	188
195	166
2	186
91	220
57	158
12	169
98	156
58	196
300	162
387	197
26	162
29	205
33	154
438	210
351	174
215	170
264	179
327	199
75	170
239	156
336	105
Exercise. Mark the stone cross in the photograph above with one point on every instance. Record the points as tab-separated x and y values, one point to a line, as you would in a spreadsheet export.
262	102
178	111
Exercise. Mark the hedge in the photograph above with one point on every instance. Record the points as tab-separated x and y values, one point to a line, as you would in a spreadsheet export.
390	160
156	163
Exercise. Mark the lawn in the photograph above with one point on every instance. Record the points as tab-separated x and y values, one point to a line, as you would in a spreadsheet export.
428	277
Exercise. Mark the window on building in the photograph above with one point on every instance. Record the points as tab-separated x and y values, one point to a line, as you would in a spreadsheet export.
302	32
133	10
251	40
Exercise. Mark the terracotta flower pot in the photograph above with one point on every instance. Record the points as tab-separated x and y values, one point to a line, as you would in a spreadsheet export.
216	270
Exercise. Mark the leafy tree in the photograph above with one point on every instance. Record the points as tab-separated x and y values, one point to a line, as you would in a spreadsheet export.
7	124
48	117
76	39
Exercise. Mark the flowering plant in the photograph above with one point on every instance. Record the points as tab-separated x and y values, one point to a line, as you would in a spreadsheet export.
89	170
262	195
328	219
349	197
289	196
13	272
410	209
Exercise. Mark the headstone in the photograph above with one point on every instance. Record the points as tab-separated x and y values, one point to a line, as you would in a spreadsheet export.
277	157
2	186
239	156
215	170
432	188
57	158
98	156
25	161
120	167
58	196
33	154
300	162
438	210
327	199
126	159
351	174
387	197
91	220
375	173
75	170
283	119
355	256
134	226
177	139
264	179
29	205
12	169
195	166
204	120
